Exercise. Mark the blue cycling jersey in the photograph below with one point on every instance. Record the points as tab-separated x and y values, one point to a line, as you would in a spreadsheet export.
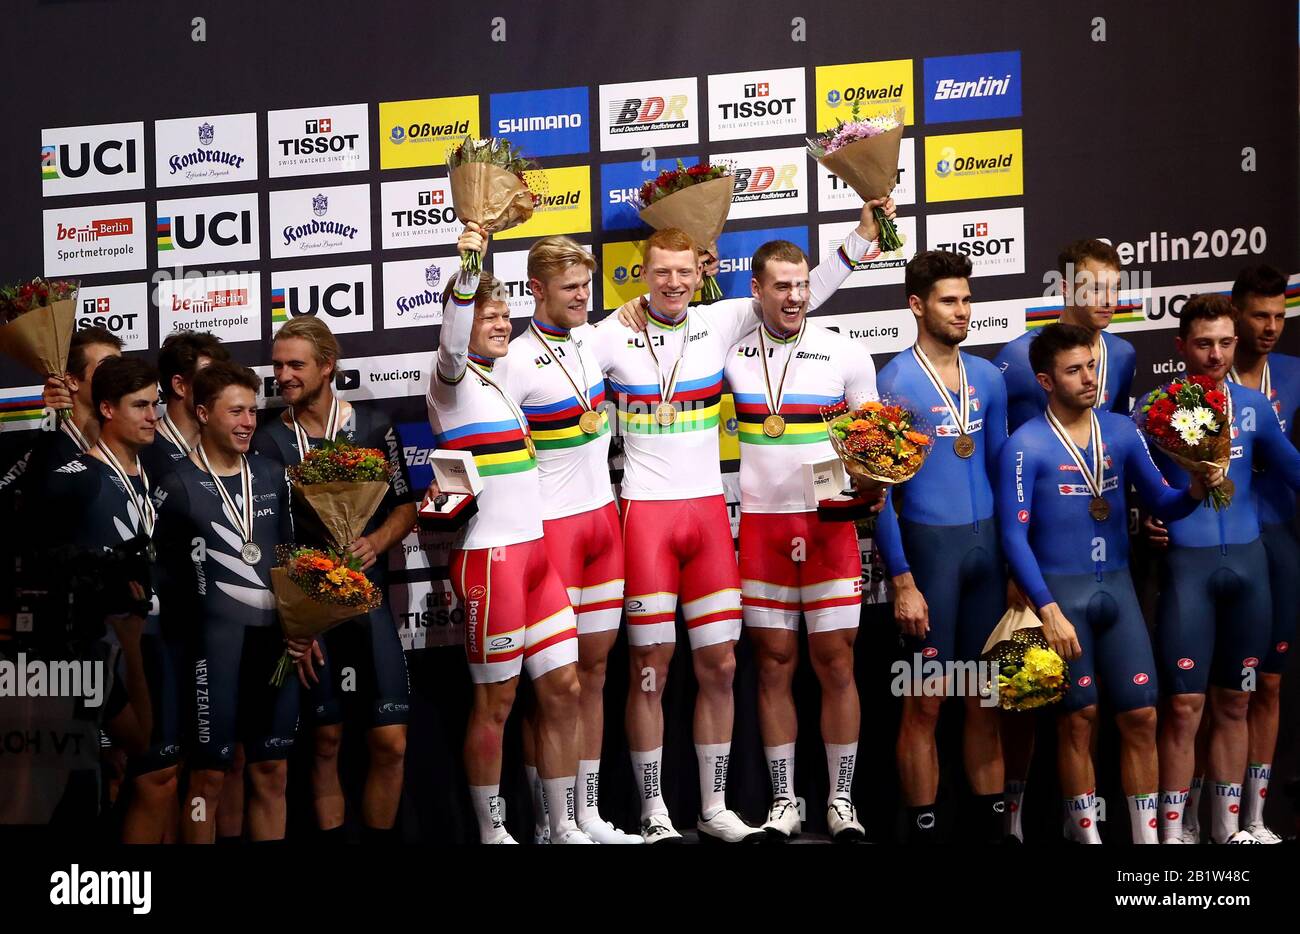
1043	502
1025	398
947	490
1256	436
1276	499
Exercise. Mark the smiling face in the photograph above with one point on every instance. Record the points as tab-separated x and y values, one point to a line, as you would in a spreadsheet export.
1209	347
229	422
944	314
299	374
672	276
490	336
1259	324
562	298
782	292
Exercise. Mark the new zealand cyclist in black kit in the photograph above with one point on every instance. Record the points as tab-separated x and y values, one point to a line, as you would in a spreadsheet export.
305	356
217	550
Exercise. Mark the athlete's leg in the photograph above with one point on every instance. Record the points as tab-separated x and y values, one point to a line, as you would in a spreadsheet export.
1226	769
230	812
268	724
267	812
383	791
151	813
214	669
776	654
390	706
983	603
327	792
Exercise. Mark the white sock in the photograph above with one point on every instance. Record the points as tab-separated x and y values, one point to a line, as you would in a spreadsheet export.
588	791
780	768
840	761
713	759
1254	792
1014	797
489	810
539	797
558	793
645	772
1192	813
1173	806
1081	818
1226	811
1143	811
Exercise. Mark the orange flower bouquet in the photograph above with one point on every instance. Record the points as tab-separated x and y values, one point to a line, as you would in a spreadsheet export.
316	590
881	444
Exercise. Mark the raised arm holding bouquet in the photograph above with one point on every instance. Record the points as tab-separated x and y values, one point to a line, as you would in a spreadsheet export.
864	154
696	200
488	188
37	319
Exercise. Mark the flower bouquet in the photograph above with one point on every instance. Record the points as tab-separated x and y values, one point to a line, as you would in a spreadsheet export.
1189	420
316	590
696	200
341	485
864	153
488	187
880	444
37	319
1029	673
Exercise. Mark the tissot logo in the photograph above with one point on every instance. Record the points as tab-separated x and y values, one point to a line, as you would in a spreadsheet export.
418	212
120	309
318	139
756	103
994	239
82	159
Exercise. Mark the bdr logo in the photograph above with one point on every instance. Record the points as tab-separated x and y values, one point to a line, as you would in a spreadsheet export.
77	160
340	295
648	113
767	182
206	230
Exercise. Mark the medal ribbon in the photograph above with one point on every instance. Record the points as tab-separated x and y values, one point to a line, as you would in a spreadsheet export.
143	504
962	418
172	433
1094	476
583	400
331	428
666	390
514	409
775	406
243	519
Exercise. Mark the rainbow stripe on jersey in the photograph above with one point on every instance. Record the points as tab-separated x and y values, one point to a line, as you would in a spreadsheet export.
802	414
498	447
696	401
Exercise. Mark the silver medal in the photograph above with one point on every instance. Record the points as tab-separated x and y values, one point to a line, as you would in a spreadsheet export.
251	553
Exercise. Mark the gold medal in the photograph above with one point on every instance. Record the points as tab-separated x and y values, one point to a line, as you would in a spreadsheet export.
589	422
1099	509
665	414
964	446
774	426
532	448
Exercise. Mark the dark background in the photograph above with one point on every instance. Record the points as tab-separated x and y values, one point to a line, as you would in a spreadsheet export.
1141	132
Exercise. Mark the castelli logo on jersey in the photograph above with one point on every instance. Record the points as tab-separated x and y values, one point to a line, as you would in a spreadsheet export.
1249	662
930	651
1283	646
1233	808
1084	681
477	592
1151	822
1140	678
1085	822
1172	815
1186	664
1023	515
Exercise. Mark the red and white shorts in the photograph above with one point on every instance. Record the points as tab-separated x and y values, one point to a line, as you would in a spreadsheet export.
517	615
586	550
794	562
680	548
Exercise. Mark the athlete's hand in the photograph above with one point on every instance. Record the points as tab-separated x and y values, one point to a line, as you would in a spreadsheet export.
868	229
876	500
364	551
1202	483
1060	633
56	395
472	239
710	264
1157	534
1015	596
633	315
304	652
910	609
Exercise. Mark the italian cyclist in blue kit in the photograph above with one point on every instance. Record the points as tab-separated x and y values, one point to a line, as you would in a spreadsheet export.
1215	612
221	514
1090	277
1061	485
1090	281
1259	297
305	358
939	540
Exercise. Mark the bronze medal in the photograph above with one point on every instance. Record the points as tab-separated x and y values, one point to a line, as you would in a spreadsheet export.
665	414
774	426
589	422
1099	509
964	446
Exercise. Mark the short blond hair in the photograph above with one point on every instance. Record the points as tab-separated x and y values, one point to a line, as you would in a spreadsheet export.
316	332
489	289
551	255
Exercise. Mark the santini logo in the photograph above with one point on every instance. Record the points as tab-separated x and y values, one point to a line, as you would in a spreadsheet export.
75	887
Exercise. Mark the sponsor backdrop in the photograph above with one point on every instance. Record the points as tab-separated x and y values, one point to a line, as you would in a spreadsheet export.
259	165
